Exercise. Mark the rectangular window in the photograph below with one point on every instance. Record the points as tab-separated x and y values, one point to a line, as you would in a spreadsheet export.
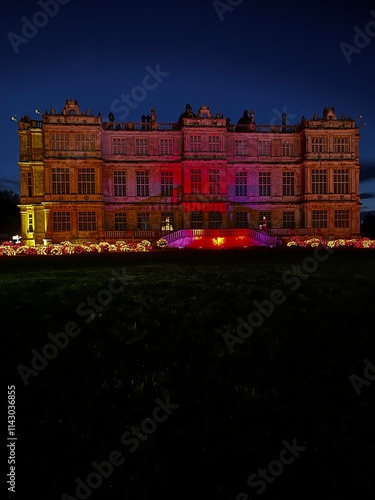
29	184
241	183
31	223
241	220
213	143
342	219
118	146
119	183
61	221
195	143
264	148
264	183
196	220
60	181
240	148
143	188
196	181
265	218
288	183
166	147
86	181
85	142
143	219
318	145
214	181
319	181
166	184
141	147
214	220
167	221
86	221
341	144
319	219
288	220
59	142
121	222
341	181
287	148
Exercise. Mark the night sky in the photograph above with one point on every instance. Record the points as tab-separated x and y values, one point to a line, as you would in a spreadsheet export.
266	56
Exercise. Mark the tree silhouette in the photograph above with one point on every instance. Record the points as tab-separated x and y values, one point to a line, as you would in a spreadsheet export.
10	222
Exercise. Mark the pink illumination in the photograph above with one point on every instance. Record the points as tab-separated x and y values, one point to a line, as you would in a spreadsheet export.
207	242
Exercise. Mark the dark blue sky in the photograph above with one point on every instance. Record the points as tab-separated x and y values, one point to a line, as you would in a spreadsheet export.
267	56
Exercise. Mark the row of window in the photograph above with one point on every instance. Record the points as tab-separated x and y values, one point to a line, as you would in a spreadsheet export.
196	143
241	219
264	187
61	181
340	145
62	221
142	183
241	183
264	148
86	182
320	219
87	220
83	142
340	181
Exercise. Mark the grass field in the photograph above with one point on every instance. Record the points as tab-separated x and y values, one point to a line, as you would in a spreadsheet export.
162	337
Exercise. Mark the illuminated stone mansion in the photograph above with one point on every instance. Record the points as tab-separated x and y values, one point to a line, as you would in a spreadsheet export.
86	179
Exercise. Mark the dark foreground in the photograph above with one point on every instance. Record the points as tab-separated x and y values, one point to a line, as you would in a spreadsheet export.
145	379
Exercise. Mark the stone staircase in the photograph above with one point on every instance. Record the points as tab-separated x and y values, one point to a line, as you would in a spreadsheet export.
220	238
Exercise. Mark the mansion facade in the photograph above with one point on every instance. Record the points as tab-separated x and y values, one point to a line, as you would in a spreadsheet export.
86	179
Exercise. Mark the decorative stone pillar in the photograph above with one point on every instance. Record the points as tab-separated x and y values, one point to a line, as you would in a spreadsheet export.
47	215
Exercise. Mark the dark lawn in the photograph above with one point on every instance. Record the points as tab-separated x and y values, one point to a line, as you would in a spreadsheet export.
161	337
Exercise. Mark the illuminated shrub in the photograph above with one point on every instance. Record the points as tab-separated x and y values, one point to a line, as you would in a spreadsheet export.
339	243
162	243
10	249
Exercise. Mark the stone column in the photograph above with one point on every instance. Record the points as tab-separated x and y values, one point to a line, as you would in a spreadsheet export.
47	228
